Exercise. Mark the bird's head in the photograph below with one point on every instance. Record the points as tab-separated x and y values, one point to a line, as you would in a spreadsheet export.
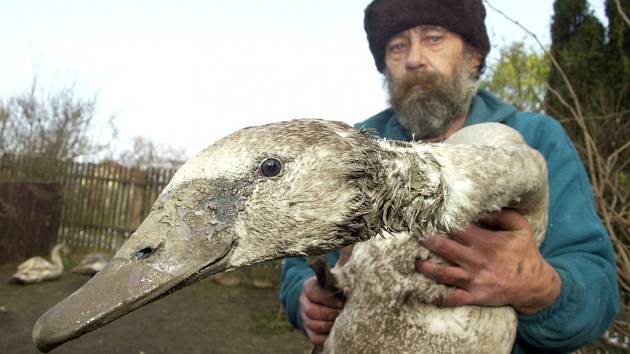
287	189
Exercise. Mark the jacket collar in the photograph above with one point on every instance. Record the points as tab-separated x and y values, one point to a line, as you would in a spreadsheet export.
486	107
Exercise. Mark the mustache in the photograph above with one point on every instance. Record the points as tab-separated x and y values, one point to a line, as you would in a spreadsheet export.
426	80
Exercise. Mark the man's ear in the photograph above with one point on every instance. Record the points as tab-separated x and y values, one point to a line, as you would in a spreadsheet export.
474	59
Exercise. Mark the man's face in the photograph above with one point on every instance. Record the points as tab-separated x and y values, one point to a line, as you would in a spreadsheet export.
430	76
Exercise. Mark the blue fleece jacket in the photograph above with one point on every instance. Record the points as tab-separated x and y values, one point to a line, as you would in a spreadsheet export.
576	244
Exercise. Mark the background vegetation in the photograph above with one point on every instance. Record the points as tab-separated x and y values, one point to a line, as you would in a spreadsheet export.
583	81
59	126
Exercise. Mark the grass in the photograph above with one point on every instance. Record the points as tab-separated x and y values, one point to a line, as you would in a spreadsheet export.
271	322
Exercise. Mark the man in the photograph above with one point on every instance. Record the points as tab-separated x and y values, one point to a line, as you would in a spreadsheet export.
431	53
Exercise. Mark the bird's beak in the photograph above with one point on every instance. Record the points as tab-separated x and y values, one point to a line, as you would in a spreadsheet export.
179	243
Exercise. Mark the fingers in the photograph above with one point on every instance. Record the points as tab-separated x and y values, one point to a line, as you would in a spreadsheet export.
317	295
447	275
489	228
316	339
444	274
318	320
344	255
506	219
318	327
457	297
489	261
318	309
453	250
470	235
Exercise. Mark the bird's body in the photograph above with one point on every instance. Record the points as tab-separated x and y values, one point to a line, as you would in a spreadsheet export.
388	309
37	269
305	187
390	304
92	263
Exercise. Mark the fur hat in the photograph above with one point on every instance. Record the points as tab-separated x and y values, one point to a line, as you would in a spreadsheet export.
386	18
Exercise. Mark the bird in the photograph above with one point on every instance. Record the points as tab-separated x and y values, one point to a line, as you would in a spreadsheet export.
392	306
37	269
91	263
305	187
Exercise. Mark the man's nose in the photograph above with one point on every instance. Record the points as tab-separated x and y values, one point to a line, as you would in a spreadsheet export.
416	58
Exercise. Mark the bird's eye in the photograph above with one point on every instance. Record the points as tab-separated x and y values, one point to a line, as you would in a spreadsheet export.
144	253
270	167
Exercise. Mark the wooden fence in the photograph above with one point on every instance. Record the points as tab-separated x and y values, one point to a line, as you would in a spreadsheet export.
102	204
29	219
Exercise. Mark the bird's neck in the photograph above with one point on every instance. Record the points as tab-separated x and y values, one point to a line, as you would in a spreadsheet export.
414	197
55	256
438	188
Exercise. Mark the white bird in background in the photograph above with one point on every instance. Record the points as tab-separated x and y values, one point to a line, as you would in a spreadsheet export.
38	269
92	263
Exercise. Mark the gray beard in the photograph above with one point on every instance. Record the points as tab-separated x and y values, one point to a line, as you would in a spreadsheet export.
429	112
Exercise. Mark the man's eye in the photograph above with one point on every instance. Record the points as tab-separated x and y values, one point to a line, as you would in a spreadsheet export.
434	39
397	47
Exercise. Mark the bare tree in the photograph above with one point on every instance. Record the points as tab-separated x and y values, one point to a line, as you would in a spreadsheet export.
621	12
146	153
52	127
4	121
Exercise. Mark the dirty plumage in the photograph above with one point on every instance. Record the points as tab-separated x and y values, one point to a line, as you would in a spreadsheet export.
388	303
305	187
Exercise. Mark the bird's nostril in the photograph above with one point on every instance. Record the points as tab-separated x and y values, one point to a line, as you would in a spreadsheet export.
144	253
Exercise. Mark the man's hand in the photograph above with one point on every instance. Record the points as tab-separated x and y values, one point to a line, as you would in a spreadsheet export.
495	265
318	309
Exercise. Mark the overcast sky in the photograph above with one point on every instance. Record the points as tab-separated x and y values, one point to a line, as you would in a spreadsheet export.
187	72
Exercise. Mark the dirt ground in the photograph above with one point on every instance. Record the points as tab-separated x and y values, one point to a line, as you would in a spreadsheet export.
202	318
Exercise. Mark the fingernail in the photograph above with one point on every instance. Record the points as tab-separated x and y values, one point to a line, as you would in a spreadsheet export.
419	263
427	240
